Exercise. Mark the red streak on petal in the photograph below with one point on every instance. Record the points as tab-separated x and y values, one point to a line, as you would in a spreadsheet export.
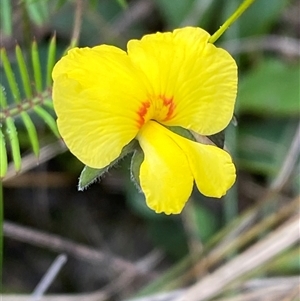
142	112
168	102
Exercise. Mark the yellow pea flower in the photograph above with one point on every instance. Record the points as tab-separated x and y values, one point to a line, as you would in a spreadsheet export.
105	97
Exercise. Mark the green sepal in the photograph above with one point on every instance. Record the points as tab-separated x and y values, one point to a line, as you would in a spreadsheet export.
3	155
218	139
90	175
182	132
136	161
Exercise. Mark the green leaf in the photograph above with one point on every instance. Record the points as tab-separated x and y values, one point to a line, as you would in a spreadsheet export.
260	16
6	16
31	130
174	11
10	76
14	142
36	67
160	231
3	100
270	89
90	175
123	3
263	144
50	121
37	10
207	222
24	72
3	155
51	60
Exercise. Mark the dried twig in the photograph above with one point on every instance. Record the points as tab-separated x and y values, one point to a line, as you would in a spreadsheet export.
62	245
257	255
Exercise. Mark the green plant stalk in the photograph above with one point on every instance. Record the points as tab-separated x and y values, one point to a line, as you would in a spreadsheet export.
28	93
10	77
26	105
36	64
244	6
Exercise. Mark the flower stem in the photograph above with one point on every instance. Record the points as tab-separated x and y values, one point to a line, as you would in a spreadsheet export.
230	20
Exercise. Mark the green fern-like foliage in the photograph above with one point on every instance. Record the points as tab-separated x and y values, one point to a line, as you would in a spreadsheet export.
37	100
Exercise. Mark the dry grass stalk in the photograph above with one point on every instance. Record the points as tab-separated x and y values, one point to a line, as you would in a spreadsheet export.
258	254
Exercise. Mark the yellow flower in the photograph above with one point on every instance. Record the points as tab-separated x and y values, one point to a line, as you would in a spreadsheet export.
105	97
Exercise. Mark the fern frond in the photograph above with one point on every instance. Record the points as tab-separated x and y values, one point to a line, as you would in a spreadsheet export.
37	101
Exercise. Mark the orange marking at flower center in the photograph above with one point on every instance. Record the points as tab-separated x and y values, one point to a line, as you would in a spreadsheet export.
168	102
142	113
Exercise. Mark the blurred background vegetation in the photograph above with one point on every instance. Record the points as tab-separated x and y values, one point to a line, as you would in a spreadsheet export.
115	247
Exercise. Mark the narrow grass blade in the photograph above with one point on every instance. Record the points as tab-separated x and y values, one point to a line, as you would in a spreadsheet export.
49	120
23	72
51	61
10	76
14	142
3	156
6	17
36	64
32	134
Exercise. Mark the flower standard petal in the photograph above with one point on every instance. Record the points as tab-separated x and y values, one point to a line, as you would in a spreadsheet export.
98	96
198	78
165	175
